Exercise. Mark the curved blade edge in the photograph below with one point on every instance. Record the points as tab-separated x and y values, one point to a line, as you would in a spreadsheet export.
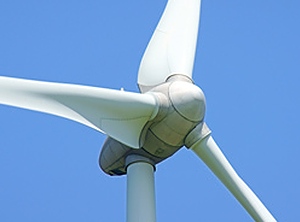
121	115
172	47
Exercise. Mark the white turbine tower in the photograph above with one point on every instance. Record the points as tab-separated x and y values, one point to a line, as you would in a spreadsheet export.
144	128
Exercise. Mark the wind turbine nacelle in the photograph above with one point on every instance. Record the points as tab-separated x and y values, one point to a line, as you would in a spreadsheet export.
112	159
181	109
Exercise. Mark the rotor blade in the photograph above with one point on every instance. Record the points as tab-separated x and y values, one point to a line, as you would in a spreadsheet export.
121	115
171	49
213	157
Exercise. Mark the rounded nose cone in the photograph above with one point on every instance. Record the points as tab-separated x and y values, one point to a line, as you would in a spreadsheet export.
188	100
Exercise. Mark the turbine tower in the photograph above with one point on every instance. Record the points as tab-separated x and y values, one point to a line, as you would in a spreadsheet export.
145	128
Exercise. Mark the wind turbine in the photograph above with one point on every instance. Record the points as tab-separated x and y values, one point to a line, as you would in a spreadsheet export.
144	129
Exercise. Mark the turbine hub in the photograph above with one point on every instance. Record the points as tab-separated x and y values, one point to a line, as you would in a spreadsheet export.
181	109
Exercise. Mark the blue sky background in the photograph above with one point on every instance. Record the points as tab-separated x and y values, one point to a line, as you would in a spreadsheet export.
247	63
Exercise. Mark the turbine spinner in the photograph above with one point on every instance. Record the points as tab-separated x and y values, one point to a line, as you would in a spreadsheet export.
181	109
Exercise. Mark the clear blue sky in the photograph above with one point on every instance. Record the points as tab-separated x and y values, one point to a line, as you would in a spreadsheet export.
247	63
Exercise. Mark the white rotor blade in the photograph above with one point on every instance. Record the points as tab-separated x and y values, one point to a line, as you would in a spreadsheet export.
171	49
213	157
121	115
